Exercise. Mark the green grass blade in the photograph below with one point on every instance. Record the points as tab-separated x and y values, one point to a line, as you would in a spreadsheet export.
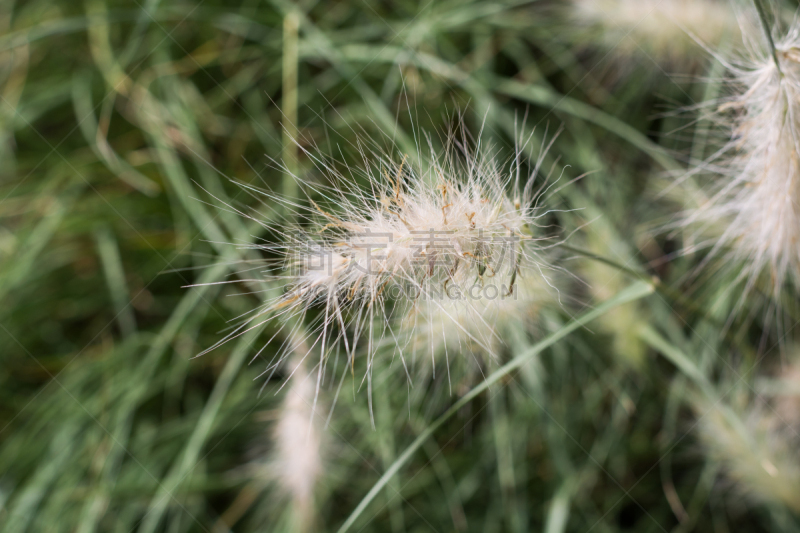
634	292
110	258
675	355
191	452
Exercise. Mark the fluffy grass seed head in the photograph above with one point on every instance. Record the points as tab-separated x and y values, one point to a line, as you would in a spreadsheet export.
297	460
363	258
664	29
756	446
480	323
753	211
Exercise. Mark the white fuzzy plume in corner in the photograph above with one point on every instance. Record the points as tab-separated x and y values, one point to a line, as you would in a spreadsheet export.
756	446
297	461
753	211
664	28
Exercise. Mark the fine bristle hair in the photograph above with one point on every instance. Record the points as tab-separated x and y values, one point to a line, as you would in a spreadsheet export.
752	213
360	259
477	325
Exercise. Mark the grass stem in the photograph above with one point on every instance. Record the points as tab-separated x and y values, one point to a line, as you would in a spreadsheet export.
291	24
762	14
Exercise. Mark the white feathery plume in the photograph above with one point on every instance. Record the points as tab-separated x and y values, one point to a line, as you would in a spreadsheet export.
478	323
297	461
757	448
753	213
358	260
666	29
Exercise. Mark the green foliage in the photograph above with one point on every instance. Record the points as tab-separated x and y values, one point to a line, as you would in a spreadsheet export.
124	129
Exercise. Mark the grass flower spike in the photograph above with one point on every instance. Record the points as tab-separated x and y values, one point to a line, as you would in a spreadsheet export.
297	462
460	226
754	209
481	326
666	29
756	446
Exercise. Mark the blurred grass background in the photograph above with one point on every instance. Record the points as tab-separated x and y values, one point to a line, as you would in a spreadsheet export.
120	122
